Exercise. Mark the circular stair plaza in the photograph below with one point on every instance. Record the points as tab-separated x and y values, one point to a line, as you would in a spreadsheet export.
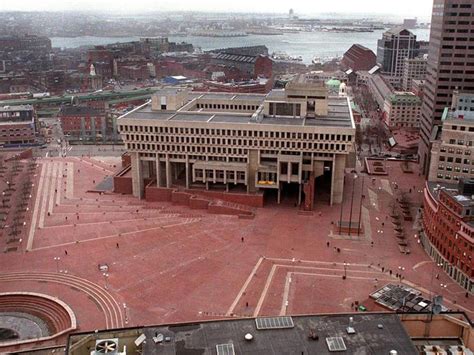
57	315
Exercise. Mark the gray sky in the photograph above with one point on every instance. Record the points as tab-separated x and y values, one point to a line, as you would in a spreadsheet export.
420	8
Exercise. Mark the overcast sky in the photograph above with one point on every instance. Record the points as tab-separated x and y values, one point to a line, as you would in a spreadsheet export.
420	8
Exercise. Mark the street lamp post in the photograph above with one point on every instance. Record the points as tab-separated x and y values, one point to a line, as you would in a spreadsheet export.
125	312
106	276
345	271
57	259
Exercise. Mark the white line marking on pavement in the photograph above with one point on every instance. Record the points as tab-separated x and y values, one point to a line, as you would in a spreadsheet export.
244	287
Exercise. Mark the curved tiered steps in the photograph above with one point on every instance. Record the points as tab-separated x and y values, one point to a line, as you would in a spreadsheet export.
56	314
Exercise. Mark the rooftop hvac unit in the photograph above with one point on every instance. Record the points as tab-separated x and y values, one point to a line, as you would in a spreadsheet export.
108	346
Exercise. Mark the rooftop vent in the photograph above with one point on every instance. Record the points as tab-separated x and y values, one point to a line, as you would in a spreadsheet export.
350	329
108	346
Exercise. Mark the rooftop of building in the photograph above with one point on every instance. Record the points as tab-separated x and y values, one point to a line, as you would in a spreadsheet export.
398	30
373	334
463	117
79	110
359	47
453	190
339	112
404	96
236	57
382	84
16	108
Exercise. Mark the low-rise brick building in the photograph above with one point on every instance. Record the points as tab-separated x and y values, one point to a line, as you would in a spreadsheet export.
358	58
18	124
448	229
83	123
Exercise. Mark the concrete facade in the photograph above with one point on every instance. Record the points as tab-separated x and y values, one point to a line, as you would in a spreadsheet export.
258	142
402	110
413	69
450	66
451	154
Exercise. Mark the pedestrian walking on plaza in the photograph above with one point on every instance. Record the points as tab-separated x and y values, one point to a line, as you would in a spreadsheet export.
65	252
117	245
242	239
327	243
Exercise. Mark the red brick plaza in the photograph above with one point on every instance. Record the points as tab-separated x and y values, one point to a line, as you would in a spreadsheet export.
170	263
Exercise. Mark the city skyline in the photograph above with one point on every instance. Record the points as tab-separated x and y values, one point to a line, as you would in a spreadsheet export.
421	8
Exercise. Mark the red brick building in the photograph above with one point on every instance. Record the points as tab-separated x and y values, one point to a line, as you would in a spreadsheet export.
83	123
18	124
250	67
358	58
448	223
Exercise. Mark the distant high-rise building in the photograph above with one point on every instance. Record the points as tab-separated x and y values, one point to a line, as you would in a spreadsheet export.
450	66
410	23
396	45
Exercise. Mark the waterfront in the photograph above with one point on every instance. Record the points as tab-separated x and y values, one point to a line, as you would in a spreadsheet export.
304	44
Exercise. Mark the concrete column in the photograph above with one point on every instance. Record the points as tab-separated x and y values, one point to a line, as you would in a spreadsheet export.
299	194
104	129
337	178
114	129
145	169
83	129
93	130
187	171
168	171
137	176
158	171
253	160
289	172
279	194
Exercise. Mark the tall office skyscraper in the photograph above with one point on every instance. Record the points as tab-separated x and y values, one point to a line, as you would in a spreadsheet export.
396	45
450	66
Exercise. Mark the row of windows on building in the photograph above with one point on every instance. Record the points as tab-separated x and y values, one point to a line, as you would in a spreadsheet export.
448	177
219	174
206	149
454	151
237	133
456	252
231	107
460	128
228	142
270	153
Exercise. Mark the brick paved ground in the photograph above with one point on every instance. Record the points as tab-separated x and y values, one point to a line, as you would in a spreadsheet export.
169	263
